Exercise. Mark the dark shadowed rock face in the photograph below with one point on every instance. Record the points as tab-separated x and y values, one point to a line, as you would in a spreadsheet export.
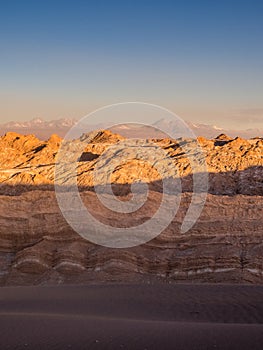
38	246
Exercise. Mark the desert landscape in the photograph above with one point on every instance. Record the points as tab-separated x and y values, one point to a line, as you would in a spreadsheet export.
131	175
203	287
38	246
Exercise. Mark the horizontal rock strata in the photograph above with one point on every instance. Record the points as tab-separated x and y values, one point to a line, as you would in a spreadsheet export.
38	246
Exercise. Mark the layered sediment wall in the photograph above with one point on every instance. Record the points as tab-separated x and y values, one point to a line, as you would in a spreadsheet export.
38	246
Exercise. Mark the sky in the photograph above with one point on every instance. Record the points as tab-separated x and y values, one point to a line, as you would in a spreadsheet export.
203	60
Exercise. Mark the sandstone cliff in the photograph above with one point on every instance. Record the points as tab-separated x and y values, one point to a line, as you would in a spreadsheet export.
38	246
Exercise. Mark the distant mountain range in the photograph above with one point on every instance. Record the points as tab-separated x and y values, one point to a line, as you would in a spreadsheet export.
208	131
41	123
39	127
43	129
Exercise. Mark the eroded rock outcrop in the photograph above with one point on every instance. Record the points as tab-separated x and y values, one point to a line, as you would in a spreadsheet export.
234	165
38	246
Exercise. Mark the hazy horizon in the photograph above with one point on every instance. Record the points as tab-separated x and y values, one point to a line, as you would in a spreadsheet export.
195	123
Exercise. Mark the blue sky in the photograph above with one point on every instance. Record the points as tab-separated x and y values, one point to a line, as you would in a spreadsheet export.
201	59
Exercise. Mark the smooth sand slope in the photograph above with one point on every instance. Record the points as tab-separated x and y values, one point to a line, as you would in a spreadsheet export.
146	316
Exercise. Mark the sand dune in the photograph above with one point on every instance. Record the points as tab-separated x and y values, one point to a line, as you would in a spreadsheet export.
146	316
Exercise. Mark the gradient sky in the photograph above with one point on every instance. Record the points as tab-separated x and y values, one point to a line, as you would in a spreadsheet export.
201	59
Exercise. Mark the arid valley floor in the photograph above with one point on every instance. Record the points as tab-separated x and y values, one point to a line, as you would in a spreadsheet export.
198	290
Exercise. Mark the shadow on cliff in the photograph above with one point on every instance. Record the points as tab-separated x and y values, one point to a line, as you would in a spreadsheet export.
246	182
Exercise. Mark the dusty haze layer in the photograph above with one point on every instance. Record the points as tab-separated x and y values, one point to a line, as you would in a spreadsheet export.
38	246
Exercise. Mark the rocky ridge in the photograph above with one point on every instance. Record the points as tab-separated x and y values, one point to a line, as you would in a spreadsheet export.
38	246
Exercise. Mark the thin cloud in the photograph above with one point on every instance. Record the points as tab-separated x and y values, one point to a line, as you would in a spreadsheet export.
250	115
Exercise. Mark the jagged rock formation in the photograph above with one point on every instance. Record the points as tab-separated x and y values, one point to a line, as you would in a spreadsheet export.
38	246
234	165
